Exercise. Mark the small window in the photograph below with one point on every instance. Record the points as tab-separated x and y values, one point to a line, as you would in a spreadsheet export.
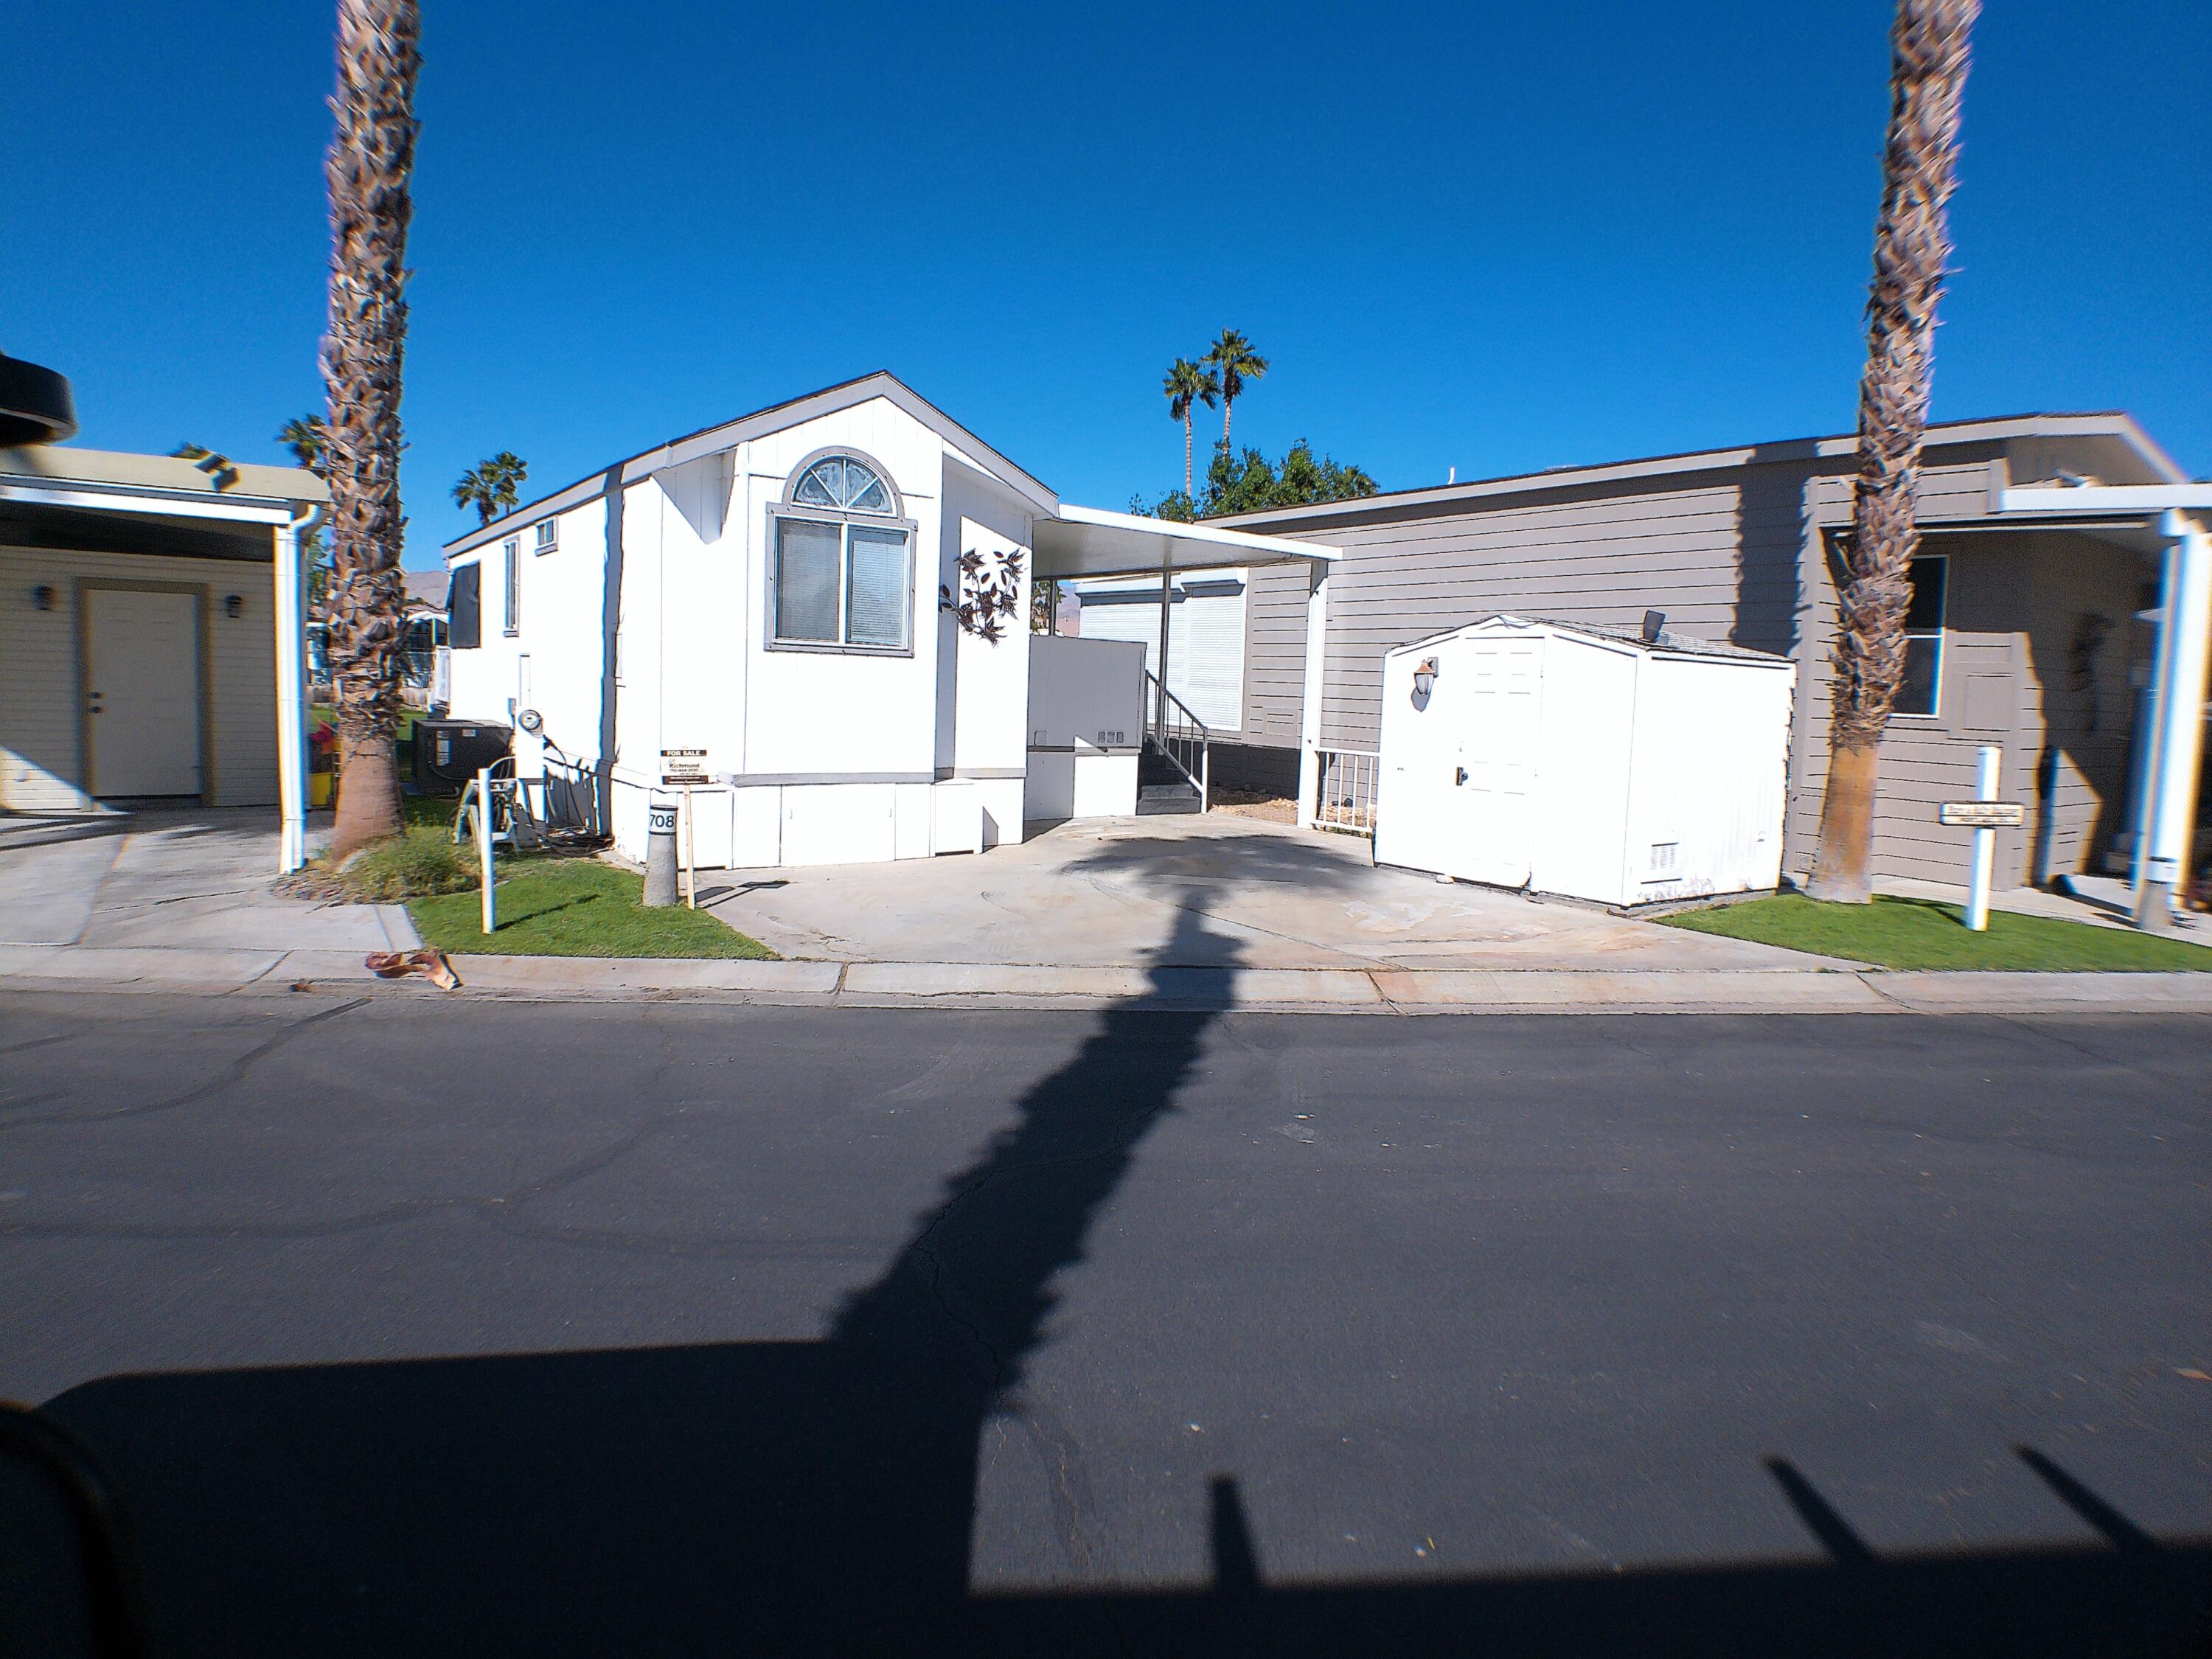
843	585
549	535
511	552
842	483
1920	692
466	606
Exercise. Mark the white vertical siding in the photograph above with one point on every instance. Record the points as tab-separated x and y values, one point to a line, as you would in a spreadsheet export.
1206	636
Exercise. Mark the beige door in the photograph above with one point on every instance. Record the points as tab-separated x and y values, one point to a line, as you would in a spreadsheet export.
142	692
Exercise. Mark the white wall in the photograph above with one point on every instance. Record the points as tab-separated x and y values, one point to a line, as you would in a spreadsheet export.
39	767
560	633
1711	777
822	751
1205	636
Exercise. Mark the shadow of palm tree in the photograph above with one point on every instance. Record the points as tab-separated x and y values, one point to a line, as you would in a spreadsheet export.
820	1497
804	1496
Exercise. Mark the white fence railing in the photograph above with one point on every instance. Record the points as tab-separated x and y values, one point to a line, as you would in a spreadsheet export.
1348	790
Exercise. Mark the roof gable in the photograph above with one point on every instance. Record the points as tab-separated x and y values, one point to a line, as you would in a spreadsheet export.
728	434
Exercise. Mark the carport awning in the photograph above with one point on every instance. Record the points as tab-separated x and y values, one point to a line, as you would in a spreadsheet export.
1089	541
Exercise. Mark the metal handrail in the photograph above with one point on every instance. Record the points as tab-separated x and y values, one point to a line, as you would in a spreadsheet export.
1189	734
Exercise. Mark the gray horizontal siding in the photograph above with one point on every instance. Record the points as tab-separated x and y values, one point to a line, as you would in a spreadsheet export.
1718	555
1738	555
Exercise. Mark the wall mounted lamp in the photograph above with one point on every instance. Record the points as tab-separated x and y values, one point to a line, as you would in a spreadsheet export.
234	607
1425	678
42	596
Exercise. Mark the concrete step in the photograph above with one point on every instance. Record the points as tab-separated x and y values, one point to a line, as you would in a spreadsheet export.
1154	800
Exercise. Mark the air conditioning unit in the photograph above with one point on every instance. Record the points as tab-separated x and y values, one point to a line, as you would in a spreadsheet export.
448	753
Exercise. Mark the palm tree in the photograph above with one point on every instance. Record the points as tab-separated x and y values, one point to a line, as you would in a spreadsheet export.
489	486
371	162
1911	245
1231	358
304	436
1189	383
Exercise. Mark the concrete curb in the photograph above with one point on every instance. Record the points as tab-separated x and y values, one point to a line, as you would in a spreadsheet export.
997	985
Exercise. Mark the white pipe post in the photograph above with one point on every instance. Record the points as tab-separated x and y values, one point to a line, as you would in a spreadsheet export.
1986	844
1309	705
1167	599
483	846
2185	643
291	625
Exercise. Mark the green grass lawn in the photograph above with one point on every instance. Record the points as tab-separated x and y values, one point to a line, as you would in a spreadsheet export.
1903	932
574	906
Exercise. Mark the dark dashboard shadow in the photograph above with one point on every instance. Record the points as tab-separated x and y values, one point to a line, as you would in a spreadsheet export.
818	1496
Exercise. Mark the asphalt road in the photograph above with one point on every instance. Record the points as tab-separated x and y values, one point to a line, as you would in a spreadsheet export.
410	1325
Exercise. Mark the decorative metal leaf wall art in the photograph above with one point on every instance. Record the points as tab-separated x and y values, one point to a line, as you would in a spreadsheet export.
990	592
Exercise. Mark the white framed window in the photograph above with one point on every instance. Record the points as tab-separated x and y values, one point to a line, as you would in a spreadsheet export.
1920	693
511	557
841	565
549	535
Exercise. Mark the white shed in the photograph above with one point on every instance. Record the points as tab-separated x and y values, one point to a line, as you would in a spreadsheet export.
1579	760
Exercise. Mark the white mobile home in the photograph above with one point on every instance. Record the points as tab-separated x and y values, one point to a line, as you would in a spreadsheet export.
830	599
1626	769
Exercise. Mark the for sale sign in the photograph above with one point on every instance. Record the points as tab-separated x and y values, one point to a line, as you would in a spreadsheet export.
680	767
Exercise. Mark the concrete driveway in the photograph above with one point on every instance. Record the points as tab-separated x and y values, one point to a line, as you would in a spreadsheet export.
190	879
1111	892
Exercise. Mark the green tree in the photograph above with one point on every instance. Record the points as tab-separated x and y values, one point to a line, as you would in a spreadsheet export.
490	486
1189	383
1911	245
1250	482
1234	364
369	172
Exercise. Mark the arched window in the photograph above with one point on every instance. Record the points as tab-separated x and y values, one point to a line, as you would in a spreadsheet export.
844	482
842	575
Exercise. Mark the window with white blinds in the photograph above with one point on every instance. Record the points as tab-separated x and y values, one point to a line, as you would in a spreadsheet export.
843	570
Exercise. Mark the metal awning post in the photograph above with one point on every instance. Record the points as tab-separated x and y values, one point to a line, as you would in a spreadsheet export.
2178	676
1167	599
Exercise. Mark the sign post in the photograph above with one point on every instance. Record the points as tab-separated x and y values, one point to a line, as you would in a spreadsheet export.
1985	815
484	847
683	768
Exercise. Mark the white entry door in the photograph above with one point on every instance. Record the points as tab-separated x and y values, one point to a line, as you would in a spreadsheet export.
1498	759
142	686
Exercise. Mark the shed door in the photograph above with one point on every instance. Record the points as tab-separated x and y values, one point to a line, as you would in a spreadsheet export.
141	685
1497	756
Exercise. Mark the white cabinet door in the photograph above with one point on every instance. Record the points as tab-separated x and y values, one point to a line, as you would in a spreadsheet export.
142	685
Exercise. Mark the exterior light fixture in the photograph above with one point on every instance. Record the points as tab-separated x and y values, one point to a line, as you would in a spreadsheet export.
42	596
234	607
1425	680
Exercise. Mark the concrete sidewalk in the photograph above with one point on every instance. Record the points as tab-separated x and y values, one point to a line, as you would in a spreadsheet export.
1184	915
1817	990
170	880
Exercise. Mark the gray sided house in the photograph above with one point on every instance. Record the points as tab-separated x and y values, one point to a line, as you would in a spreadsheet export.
2034	624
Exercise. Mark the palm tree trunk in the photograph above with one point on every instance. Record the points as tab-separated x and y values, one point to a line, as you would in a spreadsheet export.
371	159
1911	245
1187	441
1228	408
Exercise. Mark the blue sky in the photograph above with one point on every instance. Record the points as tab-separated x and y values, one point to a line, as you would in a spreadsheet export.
1490	238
